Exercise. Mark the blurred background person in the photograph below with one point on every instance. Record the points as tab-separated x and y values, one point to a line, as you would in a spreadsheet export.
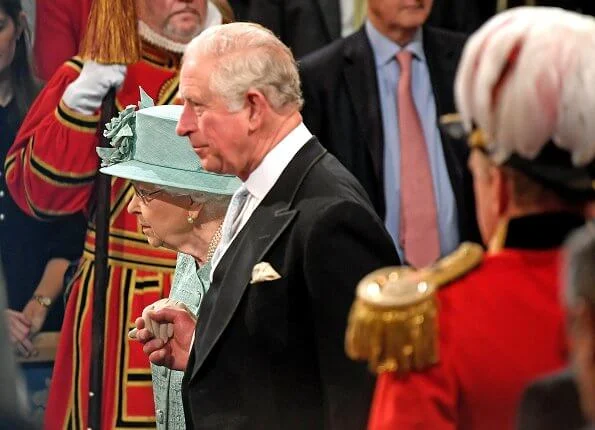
552	402
13	399
180	207
567	400
373	99
580	301
35	254
501	324
52	167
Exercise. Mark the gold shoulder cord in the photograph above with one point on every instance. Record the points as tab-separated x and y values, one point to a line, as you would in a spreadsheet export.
393	321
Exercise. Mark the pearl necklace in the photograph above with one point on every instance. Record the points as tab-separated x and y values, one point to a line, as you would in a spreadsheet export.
214	242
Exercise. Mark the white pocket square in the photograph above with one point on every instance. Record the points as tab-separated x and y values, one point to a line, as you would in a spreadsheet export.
263	272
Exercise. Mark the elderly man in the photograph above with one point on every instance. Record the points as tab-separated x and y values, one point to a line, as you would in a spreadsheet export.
299	234
50	172
373	99
501	323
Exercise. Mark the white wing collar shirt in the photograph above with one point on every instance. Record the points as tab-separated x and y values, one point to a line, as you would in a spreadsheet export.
260	182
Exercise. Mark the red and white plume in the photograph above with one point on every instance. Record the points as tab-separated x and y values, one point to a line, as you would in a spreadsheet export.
527	76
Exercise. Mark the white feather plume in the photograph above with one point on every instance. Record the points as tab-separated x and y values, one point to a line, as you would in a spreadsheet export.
548	92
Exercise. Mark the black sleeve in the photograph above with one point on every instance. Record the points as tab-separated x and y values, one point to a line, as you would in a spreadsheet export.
347	242
65	236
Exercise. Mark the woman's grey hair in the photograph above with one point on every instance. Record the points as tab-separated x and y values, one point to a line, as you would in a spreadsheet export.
580	265
214	204
249	56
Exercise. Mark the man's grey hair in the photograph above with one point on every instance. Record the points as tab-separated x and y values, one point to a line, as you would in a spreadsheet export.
580	265
249	56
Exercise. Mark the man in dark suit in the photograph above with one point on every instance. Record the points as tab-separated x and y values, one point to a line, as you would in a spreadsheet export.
298	236
551	403
351	104
307	25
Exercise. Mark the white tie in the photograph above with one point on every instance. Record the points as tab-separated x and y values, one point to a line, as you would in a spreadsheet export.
232	221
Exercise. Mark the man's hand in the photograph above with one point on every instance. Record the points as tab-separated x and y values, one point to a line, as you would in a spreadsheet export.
86	93
174	353
19	330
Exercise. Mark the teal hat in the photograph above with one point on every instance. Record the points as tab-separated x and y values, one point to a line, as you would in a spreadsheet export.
146	148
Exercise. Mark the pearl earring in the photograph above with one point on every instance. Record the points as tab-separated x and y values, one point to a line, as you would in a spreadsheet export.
190	219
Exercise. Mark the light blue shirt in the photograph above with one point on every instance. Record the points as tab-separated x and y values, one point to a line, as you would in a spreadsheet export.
387	72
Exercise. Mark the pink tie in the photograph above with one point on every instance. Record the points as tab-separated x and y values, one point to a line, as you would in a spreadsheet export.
419	225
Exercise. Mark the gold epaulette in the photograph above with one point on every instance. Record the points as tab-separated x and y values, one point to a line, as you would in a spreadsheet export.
393	321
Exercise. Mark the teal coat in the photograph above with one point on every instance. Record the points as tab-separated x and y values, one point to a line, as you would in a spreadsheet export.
190	286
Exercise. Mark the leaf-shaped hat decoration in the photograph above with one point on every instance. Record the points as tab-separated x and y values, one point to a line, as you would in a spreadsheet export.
121	131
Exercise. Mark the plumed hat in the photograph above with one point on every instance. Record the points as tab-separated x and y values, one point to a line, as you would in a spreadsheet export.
525	89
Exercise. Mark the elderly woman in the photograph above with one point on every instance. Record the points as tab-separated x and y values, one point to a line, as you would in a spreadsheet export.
179	206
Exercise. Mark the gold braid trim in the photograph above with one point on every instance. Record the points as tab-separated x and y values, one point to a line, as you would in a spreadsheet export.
393	323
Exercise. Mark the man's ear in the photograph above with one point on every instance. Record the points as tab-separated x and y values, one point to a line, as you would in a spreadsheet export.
257	105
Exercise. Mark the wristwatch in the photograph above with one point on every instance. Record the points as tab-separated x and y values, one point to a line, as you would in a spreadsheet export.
43	300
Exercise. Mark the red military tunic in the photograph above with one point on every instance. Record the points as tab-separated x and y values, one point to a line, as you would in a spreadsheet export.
501	326
50	172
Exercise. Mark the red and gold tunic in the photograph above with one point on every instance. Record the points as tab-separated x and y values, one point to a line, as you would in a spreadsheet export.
501	326
50	171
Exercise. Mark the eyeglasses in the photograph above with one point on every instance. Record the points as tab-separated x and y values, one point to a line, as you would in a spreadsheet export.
146	196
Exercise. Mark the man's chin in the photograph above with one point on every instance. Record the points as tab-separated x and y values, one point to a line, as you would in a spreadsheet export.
183	33
211	167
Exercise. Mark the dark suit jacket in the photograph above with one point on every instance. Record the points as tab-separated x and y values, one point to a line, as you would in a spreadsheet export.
271	355
342	108
458	15
551	403
303	25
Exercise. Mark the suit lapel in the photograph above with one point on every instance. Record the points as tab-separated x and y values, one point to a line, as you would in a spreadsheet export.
442	58
362	86
331	15
265	226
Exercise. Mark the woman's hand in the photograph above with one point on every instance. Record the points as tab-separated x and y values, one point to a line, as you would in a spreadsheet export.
19	330
36	313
